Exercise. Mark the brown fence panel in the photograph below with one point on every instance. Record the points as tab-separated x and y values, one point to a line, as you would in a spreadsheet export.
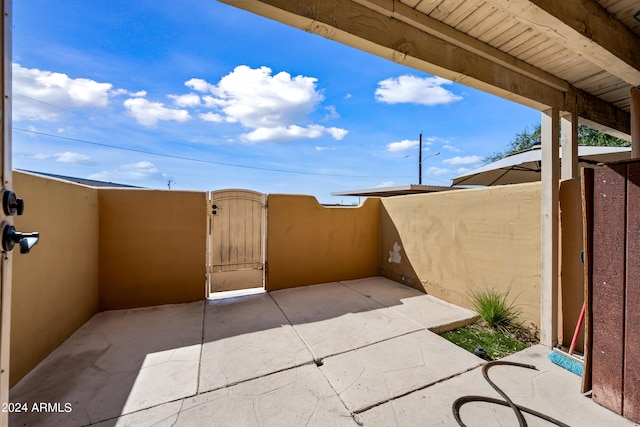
631	398
609	227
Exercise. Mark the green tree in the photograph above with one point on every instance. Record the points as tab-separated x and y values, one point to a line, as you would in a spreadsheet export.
523	141
527	139
588	136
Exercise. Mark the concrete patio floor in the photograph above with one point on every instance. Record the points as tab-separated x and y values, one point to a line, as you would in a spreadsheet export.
359	352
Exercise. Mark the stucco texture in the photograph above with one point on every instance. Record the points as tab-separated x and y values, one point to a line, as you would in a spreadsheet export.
55	287
308	243
450	243
152	247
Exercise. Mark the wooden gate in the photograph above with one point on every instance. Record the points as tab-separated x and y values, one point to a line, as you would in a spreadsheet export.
236	246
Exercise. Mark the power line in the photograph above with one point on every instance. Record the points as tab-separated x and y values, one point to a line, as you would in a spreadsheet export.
191	159
42	102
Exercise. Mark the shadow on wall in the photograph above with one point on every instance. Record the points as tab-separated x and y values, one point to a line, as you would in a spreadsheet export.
394	263
449	243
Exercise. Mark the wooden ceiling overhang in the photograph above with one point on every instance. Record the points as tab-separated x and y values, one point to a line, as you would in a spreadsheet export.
579	56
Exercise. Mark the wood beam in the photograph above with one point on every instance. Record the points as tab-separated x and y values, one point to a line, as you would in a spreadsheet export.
550	134
392	30
404	13
586	28
569	132
598	113
367	29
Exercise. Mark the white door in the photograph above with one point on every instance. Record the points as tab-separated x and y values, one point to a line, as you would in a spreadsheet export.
9	205
5	159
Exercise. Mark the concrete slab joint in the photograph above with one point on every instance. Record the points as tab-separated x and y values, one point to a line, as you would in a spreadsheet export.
318	355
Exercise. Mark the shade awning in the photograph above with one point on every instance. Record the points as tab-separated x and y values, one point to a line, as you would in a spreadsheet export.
398	190
526	166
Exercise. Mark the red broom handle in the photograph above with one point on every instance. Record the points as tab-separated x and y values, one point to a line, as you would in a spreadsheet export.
575	334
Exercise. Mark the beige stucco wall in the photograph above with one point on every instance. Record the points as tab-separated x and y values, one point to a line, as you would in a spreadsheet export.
453	242
55	287
100	249
152	247
308	243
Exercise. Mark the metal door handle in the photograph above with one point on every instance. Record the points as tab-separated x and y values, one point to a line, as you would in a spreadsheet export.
10	237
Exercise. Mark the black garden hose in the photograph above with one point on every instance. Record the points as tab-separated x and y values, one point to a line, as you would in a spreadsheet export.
517	409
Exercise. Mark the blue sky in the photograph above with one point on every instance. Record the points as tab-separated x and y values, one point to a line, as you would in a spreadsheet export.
208	97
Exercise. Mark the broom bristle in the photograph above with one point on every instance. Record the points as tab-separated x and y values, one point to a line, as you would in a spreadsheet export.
566	361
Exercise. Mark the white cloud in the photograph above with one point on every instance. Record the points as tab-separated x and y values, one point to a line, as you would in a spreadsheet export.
451	148
434	170
386	184
271	107
66	157
188	100
282	133
143	170
466	160
337	133
211	117
210	101
71	157
257	99
331	113
149	113
325	148
45	95
137	94
415	90
462	170
199	85
403	145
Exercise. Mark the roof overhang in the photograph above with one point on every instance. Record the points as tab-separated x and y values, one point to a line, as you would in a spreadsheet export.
575	55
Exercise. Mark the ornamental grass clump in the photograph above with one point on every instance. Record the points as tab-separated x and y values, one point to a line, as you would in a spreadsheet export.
495	309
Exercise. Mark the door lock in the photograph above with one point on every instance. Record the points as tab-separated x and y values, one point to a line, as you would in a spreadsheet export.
10	237
11	204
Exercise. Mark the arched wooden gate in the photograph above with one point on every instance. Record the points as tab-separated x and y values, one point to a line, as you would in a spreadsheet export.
237	234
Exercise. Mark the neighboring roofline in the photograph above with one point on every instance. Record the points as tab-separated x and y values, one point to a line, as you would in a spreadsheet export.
394	190
83	181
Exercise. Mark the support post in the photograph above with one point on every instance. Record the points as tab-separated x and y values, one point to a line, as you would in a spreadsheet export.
549	239
635	122
569	128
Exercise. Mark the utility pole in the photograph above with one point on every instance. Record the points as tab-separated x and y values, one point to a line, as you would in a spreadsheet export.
420	159
420	162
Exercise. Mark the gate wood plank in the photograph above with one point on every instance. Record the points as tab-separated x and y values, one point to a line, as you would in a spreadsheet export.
609	228
631	401
236	231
